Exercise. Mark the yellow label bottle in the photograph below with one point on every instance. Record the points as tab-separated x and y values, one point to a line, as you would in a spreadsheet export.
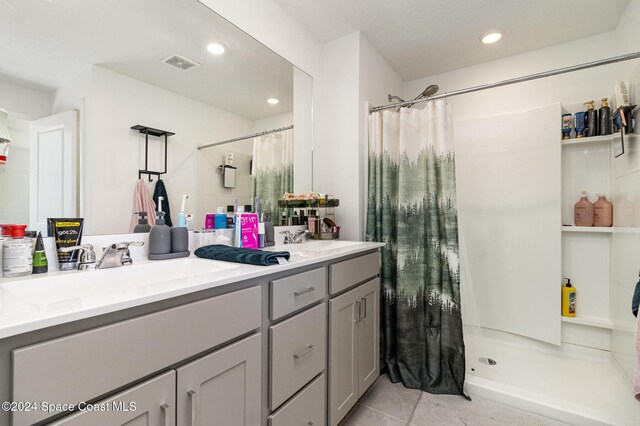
568	300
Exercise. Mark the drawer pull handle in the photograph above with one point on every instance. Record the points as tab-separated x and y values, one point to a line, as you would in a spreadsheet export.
364	306
303	353
165	414
194	407
358	311
305	291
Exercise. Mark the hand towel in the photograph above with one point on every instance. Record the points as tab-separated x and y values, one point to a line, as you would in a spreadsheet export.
161	191
241	255
142	202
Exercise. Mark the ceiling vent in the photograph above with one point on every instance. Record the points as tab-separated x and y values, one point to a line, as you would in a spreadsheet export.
180	62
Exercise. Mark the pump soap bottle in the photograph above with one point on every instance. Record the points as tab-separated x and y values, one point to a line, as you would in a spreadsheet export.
568	300
583	211
160	235
143	224
592	119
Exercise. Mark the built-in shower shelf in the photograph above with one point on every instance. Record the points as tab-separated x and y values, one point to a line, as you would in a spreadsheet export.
602	230
586	141
590	321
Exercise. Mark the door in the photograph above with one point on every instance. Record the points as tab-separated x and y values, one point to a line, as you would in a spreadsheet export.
343	347
223	388
54	168
151	403
368	335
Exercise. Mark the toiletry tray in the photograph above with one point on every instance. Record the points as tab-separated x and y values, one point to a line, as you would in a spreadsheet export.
308	203
169	255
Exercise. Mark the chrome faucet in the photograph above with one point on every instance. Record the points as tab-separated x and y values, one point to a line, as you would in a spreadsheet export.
115	255
294	238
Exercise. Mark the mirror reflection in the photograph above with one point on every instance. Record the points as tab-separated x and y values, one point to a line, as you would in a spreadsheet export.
74	86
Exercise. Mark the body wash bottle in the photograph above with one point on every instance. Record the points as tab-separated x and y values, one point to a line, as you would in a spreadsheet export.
602	212
568	300
583	211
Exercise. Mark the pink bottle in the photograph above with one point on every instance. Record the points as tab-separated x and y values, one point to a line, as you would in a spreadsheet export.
602	211
583	211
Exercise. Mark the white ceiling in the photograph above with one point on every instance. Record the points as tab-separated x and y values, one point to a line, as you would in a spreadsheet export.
420	38
46	43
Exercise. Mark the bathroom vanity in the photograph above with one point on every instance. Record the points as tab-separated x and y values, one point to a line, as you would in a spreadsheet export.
194	342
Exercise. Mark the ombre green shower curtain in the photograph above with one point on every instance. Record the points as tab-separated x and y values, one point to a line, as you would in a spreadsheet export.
272	169
412	208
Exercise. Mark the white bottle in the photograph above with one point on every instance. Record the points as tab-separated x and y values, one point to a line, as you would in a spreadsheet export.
17	257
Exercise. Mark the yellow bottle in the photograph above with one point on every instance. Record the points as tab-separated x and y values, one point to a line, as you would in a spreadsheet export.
568	300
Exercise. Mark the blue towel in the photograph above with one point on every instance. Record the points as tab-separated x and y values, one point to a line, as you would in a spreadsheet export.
161	191
635	302
241	255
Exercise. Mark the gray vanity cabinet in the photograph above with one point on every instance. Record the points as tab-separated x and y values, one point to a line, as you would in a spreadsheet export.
353	346
154	405
222	388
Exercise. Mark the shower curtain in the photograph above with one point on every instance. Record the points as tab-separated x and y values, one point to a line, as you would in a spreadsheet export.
272	169
412	208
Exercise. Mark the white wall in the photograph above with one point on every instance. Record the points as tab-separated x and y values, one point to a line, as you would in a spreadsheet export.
117	152
24	103
303	132
336	165
273	122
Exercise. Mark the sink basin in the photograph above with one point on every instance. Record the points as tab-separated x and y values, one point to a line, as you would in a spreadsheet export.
317	246
100	283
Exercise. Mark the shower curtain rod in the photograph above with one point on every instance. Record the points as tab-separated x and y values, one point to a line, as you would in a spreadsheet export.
255	135
557	71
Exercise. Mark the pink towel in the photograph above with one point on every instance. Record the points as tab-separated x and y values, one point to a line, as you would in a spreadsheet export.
636	379
142	202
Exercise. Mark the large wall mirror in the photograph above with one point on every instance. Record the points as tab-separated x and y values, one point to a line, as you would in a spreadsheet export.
77	75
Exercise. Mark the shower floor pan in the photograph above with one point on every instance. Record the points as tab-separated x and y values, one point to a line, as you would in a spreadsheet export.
571	384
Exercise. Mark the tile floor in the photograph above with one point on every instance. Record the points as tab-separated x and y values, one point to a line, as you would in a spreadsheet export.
389	404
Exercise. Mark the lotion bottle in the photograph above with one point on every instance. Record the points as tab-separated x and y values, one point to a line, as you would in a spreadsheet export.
583	211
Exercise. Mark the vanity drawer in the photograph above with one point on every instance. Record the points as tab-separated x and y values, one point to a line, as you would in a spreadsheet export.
297	291
86	365
298	352
306	408
343	275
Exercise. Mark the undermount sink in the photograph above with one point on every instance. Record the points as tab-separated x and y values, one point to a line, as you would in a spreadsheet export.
318	246
81	284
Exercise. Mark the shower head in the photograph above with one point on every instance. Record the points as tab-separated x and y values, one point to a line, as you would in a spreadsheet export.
431	90
398	98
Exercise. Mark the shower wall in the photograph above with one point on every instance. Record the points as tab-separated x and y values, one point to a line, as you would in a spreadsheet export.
508	169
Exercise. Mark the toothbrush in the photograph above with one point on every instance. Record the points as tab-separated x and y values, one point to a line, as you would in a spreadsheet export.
182	217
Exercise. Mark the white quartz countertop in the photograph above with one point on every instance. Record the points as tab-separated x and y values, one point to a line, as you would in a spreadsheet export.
40	301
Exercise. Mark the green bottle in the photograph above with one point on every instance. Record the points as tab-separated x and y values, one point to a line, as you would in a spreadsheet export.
40	264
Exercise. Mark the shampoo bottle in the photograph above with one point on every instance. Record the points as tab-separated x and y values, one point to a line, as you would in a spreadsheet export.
592	119
583	211
602	212
568	300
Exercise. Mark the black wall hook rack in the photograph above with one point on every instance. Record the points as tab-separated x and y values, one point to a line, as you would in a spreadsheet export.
146	131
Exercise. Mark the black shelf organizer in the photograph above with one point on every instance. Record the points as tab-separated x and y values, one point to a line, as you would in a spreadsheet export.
146	131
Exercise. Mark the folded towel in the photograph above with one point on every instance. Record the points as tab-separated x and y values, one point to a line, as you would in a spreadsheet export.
142	202
241	255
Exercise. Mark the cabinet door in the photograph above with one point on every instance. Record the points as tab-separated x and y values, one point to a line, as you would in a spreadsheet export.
222	388
368	335
343	348
148	404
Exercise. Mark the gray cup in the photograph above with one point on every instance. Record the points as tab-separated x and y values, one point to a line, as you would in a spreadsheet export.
179	239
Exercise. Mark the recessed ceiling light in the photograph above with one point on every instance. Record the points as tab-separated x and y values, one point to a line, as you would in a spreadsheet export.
273	101
491	37
215	49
